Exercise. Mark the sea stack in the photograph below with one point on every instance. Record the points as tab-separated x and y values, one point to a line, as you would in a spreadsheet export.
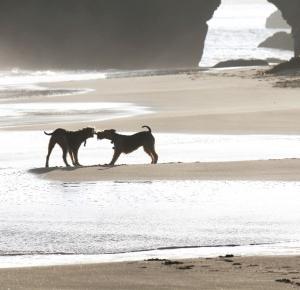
290	11
103	34
276	21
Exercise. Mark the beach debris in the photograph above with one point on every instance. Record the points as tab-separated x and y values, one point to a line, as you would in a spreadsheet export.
227	256
288	84
241	63
170	263
165	262
287	281
228	260
155	260
187	267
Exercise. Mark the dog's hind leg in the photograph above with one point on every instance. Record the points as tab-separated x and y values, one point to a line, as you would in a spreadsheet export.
50	148
115	157
149	149
75	154
155	156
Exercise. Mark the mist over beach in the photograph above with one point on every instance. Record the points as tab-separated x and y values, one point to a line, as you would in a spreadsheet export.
189	80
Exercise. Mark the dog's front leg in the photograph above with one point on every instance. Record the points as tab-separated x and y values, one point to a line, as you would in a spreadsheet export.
65	151
115	157
71	153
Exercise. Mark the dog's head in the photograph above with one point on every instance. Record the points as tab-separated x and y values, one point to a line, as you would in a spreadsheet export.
88	132
106	134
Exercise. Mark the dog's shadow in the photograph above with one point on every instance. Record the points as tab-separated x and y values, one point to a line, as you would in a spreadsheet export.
45	170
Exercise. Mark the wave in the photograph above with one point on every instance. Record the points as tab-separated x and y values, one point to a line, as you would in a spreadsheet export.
19	84
160	249
17	77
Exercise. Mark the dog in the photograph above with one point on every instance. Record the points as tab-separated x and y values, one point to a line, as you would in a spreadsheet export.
127	144
69	141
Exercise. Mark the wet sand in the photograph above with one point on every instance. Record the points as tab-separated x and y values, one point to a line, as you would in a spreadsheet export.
227	273
268	170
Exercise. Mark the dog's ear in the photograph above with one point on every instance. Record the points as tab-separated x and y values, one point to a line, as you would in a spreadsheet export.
113	130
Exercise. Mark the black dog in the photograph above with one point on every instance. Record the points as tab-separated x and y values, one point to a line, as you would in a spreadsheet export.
69	141
127	144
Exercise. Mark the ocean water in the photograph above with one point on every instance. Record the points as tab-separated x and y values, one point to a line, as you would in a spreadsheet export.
236	30
19	85
48	222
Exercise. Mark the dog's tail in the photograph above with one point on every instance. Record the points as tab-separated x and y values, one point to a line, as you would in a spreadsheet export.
147	127
48	134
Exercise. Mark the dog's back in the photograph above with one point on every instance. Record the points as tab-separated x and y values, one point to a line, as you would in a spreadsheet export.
57	132
129	143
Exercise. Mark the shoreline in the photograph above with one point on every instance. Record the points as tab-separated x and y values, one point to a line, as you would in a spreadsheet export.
180	253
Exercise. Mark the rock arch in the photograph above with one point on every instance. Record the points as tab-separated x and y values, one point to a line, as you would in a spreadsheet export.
123	34
91	34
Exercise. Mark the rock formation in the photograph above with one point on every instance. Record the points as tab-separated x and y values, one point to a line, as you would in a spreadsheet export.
101	34
241	63
276	21
105	34
290	10
280	40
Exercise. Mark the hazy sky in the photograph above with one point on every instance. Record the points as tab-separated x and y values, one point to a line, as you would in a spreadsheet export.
242	13
244	1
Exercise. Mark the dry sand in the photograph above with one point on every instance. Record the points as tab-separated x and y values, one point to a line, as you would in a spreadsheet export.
219	103
202	274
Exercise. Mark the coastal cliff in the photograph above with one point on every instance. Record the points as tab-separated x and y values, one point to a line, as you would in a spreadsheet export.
103	34
290	10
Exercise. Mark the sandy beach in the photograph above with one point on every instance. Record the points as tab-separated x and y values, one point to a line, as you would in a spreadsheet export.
226	102
228	273
269	170
236	101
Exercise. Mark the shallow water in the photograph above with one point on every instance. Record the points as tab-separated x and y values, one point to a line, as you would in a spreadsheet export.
26	114
18	85
42	221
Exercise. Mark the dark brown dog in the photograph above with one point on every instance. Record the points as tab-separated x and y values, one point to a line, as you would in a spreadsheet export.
127	144
69	141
